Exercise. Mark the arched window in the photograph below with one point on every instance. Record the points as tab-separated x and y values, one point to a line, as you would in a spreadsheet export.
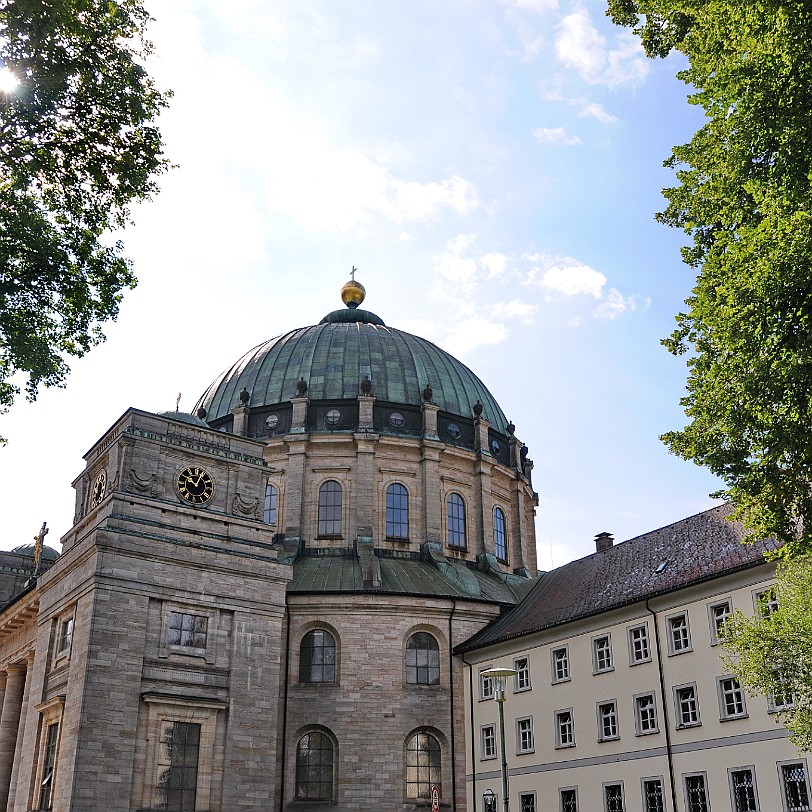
422	660
330	508
422	765
317	657
314	767
456	520
271	502
397	512
499	534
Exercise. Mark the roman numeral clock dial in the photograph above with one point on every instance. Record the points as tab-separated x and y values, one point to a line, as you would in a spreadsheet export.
195	485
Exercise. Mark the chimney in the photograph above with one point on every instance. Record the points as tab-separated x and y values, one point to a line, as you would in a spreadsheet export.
604	541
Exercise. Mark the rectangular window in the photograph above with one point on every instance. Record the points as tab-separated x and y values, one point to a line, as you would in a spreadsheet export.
561	664
696	796
613	797
564	732
601	654
177	768
781	697
187	630
48	768
569	799
766	601
719	614
653	795
731	699
521	681
487	686
524	735
743	790
65	635
270	505
527	802
488	739
645	714
679	635
607	721
795	786
639	649
687	707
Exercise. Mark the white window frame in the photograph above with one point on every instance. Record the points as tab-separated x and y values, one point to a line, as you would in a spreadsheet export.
724	714
597	641
647	779
209	652
713	618
561	791
602	736
531	795
646	642
566	661
638	714
766	598
606	786
752	770
559	726
678	717
704	777
670	620
484	738
521	682
785	805
524	725
487	685
780	707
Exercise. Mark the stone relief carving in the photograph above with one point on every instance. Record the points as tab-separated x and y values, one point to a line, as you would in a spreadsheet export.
245	507
144	484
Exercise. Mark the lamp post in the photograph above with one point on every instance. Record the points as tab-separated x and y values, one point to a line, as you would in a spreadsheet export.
499	677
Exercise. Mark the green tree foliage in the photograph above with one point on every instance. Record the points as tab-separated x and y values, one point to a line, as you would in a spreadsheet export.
77	147
771	652
744	197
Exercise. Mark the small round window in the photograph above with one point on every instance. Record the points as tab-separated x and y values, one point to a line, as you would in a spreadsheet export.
396	419
333	417
272	421
495	447
453	430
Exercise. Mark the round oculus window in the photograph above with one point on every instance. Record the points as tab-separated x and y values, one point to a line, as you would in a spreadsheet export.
453	430
272	421
333	417
396	419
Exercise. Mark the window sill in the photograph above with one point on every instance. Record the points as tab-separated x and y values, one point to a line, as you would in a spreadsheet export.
609	739
525	752
734	718
689	724
560	681
522	690
564	746
681	651
603	671
640	662
647	732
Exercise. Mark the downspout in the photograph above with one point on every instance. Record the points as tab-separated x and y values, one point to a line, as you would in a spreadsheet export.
473	736
664	703
285	710
451	707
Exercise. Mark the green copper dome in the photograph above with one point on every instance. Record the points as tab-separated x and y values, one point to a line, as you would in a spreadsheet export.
335	356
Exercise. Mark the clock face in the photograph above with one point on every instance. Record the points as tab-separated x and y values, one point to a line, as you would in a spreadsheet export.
195	485
99	489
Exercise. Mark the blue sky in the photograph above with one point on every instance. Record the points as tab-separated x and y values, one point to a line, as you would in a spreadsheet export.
491	168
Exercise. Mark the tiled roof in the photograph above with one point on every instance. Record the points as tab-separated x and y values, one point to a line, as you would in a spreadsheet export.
695	549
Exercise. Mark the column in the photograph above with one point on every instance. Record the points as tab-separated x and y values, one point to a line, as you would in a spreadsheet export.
9	722
16	761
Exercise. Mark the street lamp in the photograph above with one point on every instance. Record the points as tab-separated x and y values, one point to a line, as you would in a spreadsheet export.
499	676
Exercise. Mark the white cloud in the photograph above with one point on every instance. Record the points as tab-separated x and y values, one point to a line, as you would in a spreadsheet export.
555	135
565	275
468	334
616	304
516	309
495	264
582	47
455	267
594	110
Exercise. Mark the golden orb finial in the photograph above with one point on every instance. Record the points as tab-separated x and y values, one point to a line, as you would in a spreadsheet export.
353	293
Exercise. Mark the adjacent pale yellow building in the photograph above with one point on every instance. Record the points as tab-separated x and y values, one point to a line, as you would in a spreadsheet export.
622	702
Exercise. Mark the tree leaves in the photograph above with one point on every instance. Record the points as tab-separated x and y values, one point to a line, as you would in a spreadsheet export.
78	144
